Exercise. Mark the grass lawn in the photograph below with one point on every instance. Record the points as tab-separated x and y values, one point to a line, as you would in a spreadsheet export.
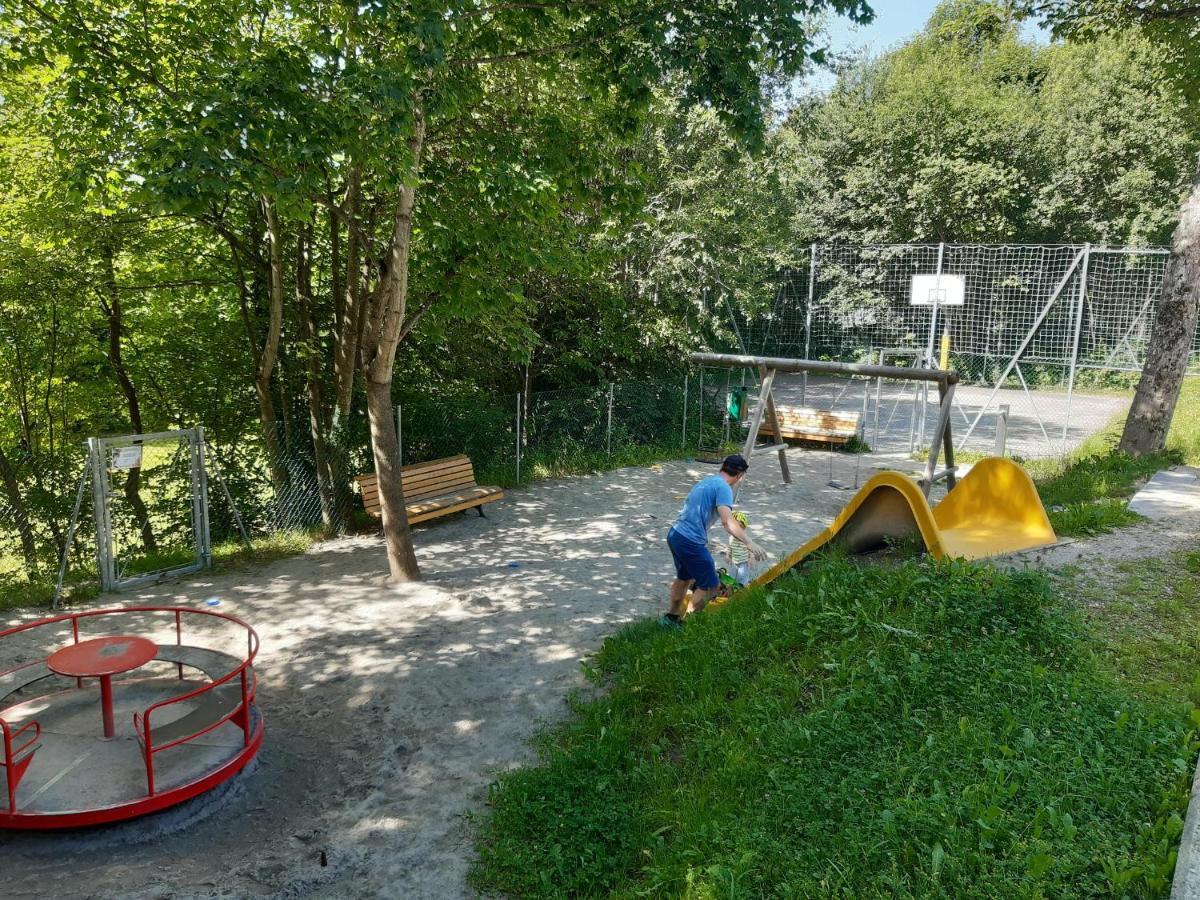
918	729
926	729
1086	493
83	584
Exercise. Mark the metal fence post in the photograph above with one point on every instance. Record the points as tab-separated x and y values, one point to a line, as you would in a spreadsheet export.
608	430
104	558
683	437
933	317
1083	277
518	437
200	488
84	477
812	292
1001	430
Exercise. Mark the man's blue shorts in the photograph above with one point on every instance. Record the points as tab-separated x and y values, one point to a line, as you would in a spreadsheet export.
693	562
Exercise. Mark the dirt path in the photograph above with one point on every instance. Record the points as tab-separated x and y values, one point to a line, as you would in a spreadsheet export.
389	710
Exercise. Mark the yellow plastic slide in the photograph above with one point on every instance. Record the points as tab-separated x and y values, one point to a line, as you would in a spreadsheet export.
994	509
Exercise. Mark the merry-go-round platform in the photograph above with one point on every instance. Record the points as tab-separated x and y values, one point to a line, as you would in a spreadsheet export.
115	713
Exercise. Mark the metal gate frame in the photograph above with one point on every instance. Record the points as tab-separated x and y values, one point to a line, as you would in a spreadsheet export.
99	452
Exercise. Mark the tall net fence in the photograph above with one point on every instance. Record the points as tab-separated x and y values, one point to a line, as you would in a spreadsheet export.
1049	337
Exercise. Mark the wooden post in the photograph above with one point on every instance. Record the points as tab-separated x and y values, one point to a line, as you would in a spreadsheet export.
947	392
756	419
776	431
766	405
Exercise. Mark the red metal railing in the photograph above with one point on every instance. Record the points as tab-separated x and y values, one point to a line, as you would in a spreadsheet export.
14	768
243	671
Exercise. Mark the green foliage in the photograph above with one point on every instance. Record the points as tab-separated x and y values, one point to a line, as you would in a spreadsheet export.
1091	518
1173	25
970	133
923	729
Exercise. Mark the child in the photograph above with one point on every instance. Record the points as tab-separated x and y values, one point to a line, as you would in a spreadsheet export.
737	553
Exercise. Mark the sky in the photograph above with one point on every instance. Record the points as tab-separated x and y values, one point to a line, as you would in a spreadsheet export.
895	21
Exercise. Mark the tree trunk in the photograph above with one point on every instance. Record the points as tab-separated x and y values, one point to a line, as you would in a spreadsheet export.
386	315
133	476
385	448
350	303
12	493
1171	338
270	352
312	353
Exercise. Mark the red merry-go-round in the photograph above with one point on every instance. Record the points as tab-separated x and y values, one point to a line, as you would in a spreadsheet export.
114	713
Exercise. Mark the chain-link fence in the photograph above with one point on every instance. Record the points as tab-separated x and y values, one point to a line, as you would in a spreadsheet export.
267	482
276	480
516	438
38	488
1054	334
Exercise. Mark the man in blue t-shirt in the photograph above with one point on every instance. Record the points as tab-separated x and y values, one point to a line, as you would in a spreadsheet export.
710	499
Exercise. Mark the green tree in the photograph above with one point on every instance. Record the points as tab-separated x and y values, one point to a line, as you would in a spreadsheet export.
1174	26
364	111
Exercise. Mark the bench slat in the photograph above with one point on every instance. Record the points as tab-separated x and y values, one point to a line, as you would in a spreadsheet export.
497	494
211	706
435	463
425	484
22	678
465	473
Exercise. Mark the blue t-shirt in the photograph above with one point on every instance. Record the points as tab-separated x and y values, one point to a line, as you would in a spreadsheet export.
700	508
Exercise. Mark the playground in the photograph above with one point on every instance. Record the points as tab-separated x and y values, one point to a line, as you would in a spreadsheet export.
374	377
389	709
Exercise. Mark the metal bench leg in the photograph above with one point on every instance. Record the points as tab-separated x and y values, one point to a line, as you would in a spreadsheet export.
482	514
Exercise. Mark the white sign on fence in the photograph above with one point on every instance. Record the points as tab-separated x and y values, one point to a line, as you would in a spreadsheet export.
127	458
948	290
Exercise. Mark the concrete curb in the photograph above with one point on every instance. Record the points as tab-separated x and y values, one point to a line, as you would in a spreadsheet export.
1186	883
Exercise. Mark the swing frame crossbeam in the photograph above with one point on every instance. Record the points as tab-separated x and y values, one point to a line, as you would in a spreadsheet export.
769	366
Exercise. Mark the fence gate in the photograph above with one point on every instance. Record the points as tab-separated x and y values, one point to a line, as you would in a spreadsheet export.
151	506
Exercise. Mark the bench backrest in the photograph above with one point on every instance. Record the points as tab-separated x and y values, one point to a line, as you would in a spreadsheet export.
816	421
439	476
420	480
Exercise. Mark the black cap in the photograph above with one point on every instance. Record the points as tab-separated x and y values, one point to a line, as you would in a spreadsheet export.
735	464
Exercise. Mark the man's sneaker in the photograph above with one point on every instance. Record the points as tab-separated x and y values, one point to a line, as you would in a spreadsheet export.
670	621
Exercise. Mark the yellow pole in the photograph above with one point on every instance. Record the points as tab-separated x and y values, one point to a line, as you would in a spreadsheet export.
944	363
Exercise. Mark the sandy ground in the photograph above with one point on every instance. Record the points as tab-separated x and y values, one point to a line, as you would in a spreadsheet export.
389	709
1097	558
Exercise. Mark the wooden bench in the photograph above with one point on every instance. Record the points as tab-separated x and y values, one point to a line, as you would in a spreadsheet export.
800	423
432	489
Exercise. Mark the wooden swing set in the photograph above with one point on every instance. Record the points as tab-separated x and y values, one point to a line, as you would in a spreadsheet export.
769	366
